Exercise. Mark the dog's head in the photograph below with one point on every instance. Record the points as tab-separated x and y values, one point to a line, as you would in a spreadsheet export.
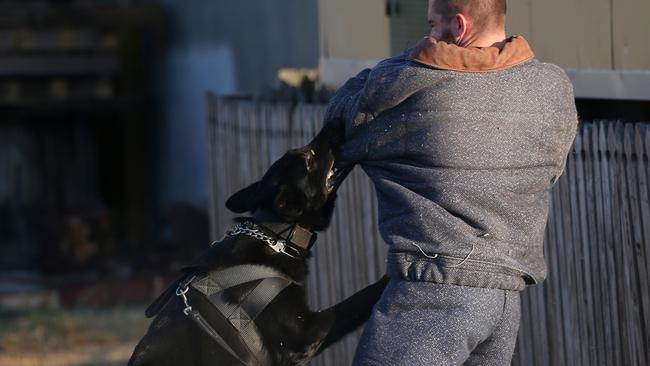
301	186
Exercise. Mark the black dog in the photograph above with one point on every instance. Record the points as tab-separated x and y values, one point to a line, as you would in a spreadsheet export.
241	303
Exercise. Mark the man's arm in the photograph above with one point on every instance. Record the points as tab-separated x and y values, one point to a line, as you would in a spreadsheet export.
361	100
343	104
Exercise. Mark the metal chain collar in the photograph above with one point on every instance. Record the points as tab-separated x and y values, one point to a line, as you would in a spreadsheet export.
250	229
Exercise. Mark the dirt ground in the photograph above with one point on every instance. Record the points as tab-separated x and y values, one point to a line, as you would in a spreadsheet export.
71	337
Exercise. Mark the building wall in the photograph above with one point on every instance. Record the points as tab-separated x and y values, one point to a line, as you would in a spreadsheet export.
600	34
357	30
605	35
408	23
227	47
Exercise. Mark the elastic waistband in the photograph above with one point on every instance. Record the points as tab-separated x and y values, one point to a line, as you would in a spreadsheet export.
411	267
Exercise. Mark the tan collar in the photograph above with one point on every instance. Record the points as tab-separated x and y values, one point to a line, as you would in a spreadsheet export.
445	56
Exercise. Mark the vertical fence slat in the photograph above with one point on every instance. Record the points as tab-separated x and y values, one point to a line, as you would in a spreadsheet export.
637	263
582	291
643	251
590	242
609	191
620	242
552	287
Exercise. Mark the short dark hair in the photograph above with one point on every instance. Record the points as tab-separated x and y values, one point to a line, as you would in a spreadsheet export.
484	13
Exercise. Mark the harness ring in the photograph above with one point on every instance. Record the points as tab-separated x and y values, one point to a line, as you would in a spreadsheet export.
181	293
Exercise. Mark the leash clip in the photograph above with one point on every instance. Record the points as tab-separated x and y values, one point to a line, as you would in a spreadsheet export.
181	293
181	290
280	246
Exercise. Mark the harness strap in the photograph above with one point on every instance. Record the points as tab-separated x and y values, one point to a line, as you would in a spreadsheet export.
243	318
262	295
220	280
207	328
265	284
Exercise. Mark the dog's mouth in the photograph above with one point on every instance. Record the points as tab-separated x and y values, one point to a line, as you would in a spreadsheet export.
321	160
336	175
329	181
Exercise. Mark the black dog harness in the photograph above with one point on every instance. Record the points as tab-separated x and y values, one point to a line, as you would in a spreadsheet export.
262	285
259	284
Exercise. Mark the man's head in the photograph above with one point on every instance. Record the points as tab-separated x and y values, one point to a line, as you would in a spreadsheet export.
464	21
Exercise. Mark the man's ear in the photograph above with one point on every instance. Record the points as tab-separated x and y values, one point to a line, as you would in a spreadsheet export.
461	29
245	200
289	203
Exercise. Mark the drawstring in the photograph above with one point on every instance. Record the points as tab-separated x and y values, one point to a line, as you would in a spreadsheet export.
423	253
464	260
436	255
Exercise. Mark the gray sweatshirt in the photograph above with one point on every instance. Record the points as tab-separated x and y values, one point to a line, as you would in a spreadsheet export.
462	163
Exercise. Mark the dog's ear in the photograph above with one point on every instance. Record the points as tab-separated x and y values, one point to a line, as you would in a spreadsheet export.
244	200
289	202
251	197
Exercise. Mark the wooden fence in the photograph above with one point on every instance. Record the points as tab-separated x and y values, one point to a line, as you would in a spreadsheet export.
594	308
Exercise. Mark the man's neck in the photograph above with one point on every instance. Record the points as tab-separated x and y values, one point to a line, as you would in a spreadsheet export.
495	39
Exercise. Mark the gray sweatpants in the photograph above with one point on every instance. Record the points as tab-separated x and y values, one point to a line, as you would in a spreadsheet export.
424	323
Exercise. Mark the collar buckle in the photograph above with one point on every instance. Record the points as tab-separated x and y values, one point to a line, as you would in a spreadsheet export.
302	238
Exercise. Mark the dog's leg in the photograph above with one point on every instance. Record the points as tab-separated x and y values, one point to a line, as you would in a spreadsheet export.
353	312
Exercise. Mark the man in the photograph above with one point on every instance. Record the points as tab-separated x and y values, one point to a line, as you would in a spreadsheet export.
463	137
